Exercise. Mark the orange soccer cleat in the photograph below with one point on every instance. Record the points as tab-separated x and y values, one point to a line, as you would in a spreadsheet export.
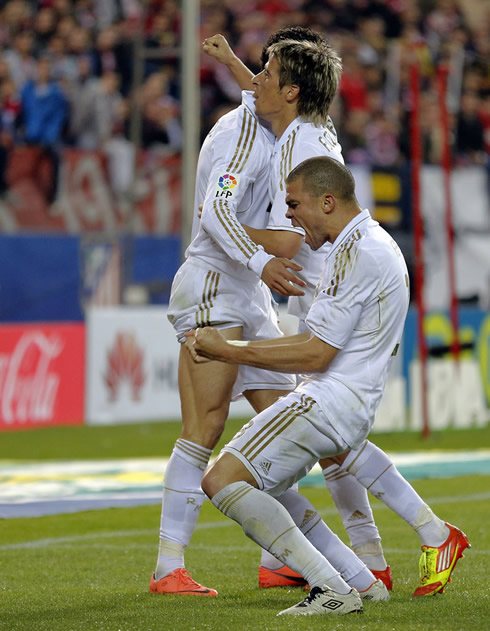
282	577
385	576
179	582
437	564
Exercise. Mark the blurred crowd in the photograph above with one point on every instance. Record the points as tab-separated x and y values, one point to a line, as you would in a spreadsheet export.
67	72
377	40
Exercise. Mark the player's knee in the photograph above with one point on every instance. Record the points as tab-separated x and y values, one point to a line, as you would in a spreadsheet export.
225	470
212	482
206	431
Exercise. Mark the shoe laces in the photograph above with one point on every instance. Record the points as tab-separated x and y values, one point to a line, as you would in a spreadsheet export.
316	591
186	578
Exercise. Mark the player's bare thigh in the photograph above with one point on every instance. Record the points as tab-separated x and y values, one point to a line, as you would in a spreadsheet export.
205	393
338	459
262	399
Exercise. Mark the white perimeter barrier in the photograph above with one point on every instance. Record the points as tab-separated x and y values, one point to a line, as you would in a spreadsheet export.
455	395
132	360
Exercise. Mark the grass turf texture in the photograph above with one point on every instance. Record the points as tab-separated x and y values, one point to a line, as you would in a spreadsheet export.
90	571
157	439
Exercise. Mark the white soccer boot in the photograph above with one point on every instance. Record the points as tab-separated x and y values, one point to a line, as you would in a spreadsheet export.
323	600
376	592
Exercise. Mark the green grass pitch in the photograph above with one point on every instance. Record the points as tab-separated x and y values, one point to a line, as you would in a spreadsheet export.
90	571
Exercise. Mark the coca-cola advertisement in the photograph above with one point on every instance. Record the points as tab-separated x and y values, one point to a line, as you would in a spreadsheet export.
42	378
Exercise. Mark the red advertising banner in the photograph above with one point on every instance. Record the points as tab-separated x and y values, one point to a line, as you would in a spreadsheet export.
42	375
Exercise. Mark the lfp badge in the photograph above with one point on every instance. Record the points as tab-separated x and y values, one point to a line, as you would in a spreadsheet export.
226	184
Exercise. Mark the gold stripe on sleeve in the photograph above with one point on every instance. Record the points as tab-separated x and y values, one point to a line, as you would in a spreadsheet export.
223	213
248	144
240	139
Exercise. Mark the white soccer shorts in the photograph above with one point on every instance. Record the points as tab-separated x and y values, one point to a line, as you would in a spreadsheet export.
280	445
204	296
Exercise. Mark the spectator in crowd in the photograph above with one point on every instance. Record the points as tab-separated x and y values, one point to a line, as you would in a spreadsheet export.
44	28
485	121
353	89
20	60
96	112
160	124
382	140
430	131
97	124
353	137
78	56
470	138
378	41
44	112
9	118
442	21
112	54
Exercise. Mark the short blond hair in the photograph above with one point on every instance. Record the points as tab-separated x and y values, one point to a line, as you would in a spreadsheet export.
315	68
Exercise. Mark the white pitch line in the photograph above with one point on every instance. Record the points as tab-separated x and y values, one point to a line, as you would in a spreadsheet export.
41	543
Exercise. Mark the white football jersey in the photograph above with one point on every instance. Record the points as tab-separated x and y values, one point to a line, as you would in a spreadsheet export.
232	186
360	307
299	142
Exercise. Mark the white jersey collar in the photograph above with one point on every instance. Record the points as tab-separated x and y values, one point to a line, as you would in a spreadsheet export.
248	101
357	223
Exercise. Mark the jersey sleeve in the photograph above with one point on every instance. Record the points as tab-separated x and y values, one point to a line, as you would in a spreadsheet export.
348	285
238	155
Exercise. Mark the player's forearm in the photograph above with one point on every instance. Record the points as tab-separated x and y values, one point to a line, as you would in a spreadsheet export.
281	243
216	46
290	358
219	221
242	75
275	341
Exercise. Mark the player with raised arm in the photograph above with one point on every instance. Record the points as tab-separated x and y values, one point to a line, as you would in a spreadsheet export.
348	475
219	284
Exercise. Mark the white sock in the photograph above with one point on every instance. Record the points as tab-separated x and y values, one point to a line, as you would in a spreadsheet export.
377	473
351	568
269	524
269	561
371	553
352	502
181	503
266	558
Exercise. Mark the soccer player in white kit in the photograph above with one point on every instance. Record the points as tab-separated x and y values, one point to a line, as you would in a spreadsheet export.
354	327
219	284
349	475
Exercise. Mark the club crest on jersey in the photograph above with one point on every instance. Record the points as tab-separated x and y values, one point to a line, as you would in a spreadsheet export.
226	184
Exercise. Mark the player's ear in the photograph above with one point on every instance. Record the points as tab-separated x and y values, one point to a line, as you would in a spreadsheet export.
328	203
292	92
